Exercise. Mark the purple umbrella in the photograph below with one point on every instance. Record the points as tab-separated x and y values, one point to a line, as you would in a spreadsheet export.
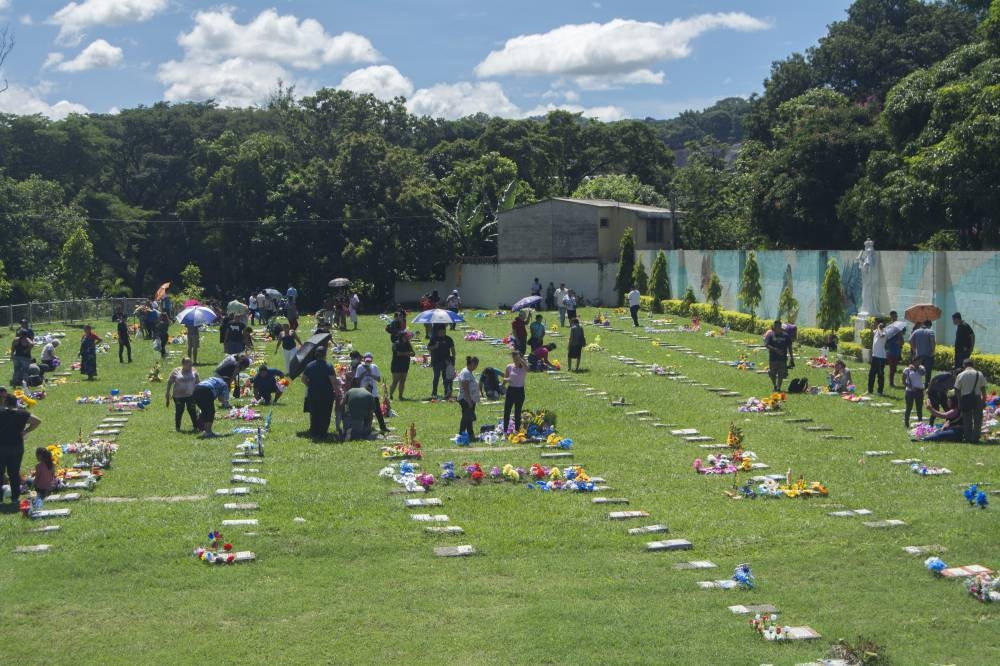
526	302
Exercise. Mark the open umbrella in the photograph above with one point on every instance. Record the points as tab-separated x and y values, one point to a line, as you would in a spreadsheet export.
339	282
191	301
237	308
196	316
894	328
922	312
527	302
438	316
273	293
304	354
161	291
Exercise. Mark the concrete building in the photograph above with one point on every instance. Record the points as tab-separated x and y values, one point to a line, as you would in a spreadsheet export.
570	230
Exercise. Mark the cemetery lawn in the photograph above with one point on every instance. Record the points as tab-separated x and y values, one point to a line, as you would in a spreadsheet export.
554	580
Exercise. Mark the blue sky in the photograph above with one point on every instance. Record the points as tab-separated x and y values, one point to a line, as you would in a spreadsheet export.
449	58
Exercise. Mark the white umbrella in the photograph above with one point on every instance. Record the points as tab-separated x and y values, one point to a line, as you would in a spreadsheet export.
196	315
339	282
236	307
894	328
438	316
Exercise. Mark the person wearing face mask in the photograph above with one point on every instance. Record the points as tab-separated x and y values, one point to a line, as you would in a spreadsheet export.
368	375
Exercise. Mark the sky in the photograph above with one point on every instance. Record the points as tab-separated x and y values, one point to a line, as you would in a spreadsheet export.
448	58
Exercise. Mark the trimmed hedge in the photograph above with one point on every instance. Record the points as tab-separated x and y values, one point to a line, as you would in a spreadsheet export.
944	356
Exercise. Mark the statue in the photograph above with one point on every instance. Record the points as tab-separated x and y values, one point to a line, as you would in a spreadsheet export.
866	262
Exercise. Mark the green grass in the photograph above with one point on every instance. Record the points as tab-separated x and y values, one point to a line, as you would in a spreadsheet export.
555	582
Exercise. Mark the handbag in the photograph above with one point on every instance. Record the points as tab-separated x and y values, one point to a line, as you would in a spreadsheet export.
449	371
156	345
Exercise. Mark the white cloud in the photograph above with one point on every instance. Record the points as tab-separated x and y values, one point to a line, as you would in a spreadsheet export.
611	81
602	49
4	4
24	101
271	37
52	59
98	54
603	113
76	17
233	82
27	20
457	100
383	81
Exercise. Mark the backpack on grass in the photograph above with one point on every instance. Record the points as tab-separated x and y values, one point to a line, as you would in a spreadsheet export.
798	385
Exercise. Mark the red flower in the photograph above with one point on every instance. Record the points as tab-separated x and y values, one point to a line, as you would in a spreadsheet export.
230	559
227	547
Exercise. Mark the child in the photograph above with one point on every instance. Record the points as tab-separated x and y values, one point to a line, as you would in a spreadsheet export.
45	472
913	382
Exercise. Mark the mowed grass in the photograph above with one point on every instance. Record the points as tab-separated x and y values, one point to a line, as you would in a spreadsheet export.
555	581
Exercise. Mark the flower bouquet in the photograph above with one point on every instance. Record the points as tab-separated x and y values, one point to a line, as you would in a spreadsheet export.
768	627
221	552
771	403
985	588
976	497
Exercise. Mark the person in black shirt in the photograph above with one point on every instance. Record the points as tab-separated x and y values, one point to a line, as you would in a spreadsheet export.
777	342
124	336
265	384
442	349
937	392
965	340
15	423
233	337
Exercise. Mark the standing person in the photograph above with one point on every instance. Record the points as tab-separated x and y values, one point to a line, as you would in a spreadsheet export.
180	385
292	313
205	394
360	407
265	384
577	341
913	384
519	333
922	344
26	325
288	342
292	294
252	307
321	383
49	359
368	375
88	352
20	355
193	334
550	297
124	336
893	349
353	306
45	472
537	337
776	341
151	319
876	367
569	302
261	299
965	340
15	424
558	295
453	303
634	300
442	349
536	288
970	389
402	352
163	334
233	337
468	396
513	376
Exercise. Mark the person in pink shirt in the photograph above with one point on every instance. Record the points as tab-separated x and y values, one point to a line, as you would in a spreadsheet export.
514	376
45	472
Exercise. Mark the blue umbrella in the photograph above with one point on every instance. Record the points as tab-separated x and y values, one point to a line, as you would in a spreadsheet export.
196	315
527	302
438	316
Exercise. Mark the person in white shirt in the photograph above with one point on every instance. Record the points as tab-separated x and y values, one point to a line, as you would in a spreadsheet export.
352	309
634	299
877	367
49	360
368	375
970	389
468	396
558	298
913	383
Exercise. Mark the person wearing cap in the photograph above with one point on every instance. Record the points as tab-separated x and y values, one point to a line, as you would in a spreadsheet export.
965	340
368	375
49	361
15	423
322	388
970	385
88	352
205	394
20	355
453	303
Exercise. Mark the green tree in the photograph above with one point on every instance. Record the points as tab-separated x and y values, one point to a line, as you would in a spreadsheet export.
626	265
659	281
788	305
639	278
5	286
619	187
688	300
714	293
191	283
830	314
750	289
77	264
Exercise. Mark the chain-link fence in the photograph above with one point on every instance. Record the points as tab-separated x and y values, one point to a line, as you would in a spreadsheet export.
82	311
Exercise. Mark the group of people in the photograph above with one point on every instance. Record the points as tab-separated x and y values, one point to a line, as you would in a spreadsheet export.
351	400
15	425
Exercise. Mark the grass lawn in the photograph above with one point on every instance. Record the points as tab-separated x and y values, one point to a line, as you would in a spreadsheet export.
555	581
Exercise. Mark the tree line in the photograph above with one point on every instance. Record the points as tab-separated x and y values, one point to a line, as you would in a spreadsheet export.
887	128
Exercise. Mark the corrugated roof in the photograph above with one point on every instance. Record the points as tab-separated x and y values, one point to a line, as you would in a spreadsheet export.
608	203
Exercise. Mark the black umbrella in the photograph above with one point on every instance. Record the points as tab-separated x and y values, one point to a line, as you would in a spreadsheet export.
305	353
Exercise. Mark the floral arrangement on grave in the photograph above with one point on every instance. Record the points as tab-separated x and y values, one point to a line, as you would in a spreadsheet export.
985	588
475	336
744	363
283	384
768	627
744	576
820	362
96	453
725	464
243	414
976	497
935	565
26	400
217	551
154	373
771	403
409	449
801	488
735	437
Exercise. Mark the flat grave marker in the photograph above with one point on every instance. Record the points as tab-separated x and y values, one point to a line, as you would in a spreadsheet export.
429	518
239	521
454	551
753	609
698	438
850	513
669	544
430	501
932	549
648	529
695	564
446	529
37	548
49	513
684	432
967	571
891	522
627	515
609	500
240	506
46	528
798	634
63	497
233	491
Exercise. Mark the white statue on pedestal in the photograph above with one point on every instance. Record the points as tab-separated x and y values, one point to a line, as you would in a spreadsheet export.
866	262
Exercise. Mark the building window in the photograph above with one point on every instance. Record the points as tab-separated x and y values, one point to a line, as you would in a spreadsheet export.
654	231
604	223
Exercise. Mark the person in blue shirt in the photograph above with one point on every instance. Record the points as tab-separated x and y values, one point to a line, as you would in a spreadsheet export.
292	294
205	395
